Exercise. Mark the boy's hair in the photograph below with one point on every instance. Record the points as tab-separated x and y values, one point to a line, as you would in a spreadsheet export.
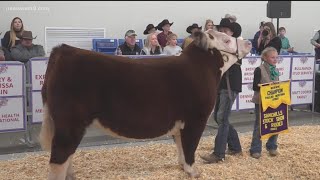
282	28
266	51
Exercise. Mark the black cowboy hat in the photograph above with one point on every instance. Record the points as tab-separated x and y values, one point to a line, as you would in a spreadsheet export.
164	22
233	26
148	28
193	26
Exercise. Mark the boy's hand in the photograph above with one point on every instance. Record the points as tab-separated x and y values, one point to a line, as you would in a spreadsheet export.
290	49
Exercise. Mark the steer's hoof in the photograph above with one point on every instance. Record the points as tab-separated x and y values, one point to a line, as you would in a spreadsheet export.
70	177
192	171
194	174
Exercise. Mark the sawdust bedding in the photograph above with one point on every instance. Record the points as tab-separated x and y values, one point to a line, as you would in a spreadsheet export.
299	159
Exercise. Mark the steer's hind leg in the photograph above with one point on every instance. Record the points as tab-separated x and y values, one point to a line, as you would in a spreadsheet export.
177	140
70	172
190	137
64	145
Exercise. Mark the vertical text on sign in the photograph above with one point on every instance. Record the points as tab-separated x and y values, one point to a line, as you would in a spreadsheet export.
38	67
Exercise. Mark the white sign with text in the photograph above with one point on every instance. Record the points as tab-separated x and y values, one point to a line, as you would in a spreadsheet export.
11	79
302	68
37	107
301	92
38	70
248	66
245	97
284	66
12	117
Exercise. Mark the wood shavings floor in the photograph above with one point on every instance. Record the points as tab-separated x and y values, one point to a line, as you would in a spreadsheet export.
299	159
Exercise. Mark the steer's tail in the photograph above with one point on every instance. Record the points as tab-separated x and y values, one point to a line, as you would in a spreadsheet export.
47	128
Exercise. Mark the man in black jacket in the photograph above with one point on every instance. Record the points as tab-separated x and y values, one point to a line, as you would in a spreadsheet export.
229	88
129	47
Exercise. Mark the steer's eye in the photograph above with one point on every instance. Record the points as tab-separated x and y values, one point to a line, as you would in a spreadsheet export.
227	41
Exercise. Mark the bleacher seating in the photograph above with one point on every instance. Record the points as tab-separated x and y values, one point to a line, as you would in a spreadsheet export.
179	42
138	41
295	53
253	50
107	46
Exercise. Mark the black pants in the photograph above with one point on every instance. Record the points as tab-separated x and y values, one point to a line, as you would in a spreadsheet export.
317	53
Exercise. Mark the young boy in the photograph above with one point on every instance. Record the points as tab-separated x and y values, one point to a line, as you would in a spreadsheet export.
285	45
227	135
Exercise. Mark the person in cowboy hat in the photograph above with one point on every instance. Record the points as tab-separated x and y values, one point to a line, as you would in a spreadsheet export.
150	29
164	26
232	18
191	30
231	81
26	49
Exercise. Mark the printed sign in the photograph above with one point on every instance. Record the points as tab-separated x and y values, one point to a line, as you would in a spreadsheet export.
245	97
283	66
38	70
248	66
12	116
275	98
301	92
302	68
274	121
11	79
37	107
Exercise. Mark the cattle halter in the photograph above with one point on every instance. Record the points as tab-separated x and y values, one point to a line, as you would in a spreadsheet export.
236	53
227	73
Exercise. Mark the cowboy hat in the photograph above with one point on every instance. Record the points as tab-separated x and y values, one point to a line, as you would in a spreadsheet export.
164	22
27	35
233	26
148	28
193	26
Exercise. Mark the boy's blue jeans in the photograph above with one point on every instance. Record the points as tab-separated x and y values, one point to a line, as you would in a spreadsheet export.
226	132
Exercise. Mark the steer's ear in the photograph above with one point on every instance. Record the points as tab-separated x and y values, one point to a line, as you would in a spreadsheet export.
200	40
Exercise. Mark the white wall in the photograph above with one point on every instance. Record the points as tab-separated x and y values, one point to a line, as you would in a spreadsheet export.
117	17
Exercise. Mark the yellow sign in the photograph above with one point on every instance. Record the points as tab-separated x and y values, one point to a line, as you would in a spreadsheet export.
275	93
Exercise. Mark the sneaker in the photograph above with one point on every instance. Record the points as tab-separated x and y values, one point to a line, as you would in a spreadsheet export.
212	158
256	155
233	153
273	152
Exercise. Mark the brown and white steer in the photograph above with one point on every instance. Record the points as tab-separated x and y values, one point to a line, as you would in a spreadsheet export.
138	99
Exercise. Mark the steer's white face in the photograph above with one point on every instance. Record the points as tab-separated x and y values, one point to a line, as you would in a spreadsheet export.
228	46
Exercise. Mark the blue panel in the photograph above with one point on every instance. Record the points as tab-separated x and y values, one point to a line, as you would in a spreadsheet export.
179	42
107	46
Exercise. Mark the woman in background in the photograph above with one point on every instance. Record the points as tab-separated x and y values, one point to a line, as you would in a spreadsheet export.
268	38
12	37
209	25
151	46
